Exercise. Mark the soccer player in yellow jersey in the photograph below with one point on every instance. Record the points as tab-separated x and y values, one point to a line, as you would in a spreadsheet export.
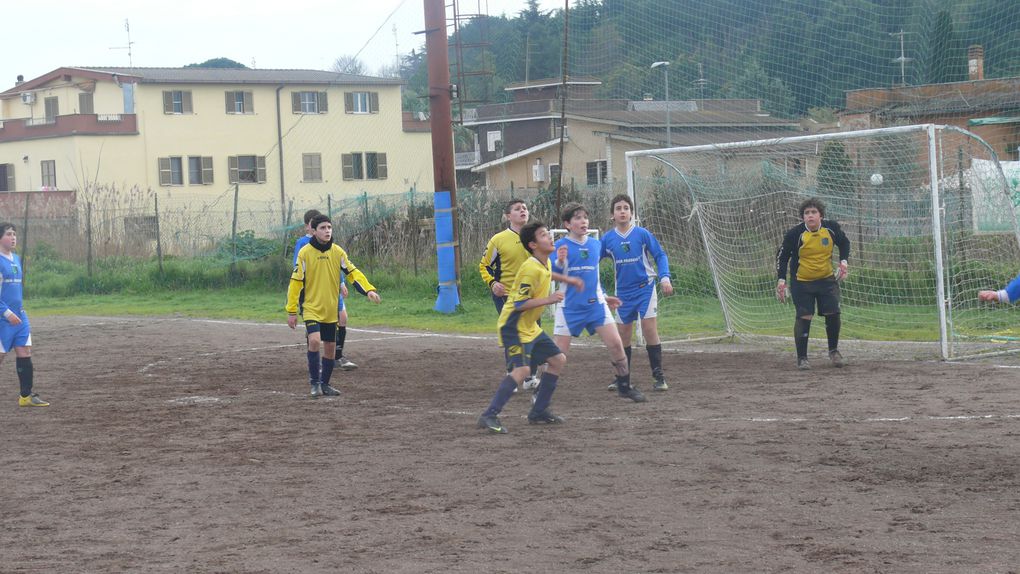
807	249
503	256
317	272
523	341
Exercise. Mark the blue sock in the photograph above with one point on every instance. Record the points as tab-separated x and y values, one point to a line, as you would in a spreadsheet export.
545	391
327	370
503	394
313	367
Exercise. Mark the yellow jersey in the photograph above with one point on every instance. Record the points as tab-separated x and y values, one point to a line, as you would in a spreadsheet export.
532	282
502	259
809	253
318	272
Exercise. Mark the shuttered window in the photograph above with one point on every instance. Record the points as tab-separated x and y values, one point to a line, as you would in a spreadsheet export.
311	164
239	102
200	170
361	102
171	171
177	102
364	165
309	102
246	169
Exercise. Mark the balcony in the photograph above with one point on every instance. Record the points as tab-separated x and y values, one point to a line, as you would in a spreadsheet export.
70	125
467	159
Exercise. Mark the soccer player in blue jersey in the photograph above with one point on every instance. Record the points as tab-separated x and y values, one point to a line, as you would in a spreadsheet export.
1008	294
807	250
588	308
523	341
341	327
633	249
15	331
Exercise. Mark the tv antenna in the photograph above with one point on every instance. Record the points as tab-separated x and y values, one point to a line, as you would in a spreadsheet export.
903	59
127	28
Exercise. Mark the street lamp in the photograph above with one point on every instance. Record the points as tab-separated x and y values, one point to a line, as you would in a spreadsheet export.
665	72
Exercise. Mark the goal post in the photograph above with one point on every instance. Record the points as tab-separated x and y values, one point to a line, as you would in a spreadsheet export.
927	208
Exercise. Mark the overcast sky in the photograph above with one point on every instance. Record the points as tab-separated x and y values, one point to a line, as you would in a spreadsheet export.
310	34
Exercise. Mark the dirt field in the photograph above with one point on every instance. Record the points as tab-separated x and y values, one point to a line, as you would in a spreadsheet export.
177	445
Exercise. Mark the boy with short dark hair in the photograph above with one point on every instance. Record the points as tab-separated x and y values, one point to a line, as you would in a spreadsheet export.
15	331
317	274
807	249
633	249
588	308
341	330
523	341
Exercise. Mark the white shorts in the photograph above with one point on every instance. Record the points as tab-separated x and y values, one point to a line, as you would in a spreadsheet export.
589	319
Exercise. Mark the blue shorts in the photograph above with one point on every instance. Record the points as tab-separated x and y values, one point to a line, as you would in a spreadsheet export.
532	353
640	303
573	322
12	336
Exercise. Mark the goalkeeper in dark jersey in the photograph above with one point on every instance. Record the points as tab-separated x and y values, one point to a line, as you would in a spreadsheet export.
317	273
807	250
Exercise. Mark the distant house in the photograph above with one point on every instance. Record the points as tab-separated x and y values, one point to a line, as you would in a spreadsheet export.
281	135
519	140
990	108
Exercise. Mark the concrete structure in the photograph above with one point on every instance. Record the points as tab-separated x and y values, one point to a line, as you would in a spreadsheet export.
519	140
989	108
192	133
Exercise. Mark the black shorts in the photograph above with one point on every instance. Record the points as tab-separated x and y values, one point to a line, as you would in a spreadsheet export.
326	331
531	354
824	292
499	302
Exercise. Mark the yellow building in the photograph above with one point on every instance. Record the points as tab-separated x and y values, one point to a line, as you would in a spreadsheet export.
286	137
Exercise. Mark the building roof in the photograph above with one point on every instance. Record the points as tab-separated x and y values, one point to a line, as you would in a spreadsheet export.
990	95
206	76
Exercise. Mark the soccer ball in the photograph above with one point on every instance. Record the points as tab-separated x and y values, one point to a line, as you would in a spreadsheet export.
876	179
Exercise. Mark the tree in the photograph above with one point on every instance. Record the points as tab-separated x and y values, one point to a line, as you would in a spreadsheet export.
946	59
754	83
348	64
836	177
218	63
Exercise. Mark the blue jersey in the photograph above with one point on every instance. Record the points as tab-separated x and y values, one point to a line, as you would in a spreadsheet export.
633	252
1011	292
583	262
11	293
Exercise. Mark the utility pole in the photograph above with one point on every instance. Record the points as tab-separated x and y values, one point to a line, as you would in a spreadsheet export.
903	59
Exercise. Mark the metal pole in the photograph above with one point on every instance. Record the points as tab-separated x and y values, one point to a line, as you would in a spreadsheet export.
24	236
669	131
233	234
936	231
563	102
159	239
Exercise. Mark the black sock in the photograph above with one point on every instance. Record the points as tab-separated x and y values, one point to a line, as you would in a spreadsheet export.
545	391
24	368
801	330
341	336
627	351
503	394
655	358
327	370
832	325
313	367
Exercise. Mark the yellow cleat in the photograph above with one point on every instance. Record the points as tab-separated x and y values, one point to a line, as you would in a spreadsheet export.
32	400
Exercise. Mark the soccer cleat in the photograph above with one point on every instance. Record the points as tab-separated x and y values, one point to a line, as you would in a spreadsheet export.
544	417
633	394
530	383
612	386
491	423
316	390
32	400
803	364
346	364
836	358
660	385
328	391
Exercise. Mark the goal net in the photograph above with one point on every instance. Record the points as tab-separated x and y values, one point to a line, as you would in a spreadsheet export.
927	210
